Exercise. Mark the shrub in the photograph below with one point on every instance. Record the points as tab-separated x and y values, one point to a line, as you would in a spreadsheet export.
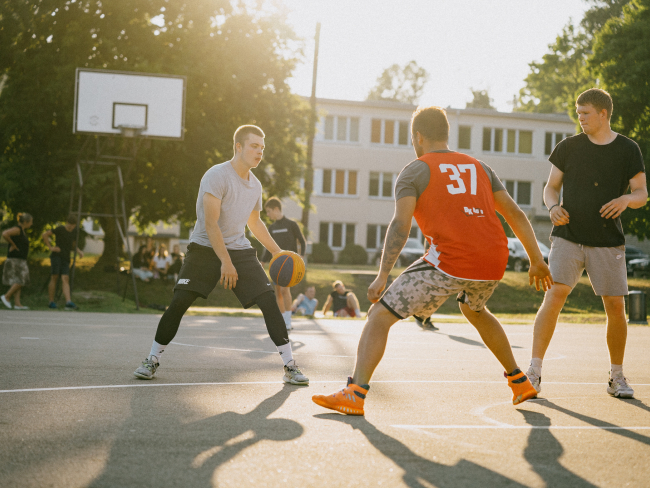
353	254
321	253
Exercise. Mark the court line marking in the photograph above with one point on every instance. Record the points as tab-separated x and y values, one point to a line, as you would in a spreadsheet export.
521	427
239	383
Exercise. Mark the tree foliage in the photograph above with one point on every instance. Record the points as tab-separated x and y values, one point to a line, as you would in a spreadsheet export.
237	61
400	83
553	83
480	99
621	60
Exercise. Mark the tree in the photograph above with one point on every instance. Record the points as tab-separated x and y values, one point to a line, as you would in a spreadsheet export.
401	84
481	99
621	60
237	62
552	84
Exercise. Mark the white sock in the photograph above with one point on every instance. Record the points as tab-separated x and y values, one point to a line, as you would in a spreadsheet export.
617	370
287	318
157	350
285	353
357	312
536	364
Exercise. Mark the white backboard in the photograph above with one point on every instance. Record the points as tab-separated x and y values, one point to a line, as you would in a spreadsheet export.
106	100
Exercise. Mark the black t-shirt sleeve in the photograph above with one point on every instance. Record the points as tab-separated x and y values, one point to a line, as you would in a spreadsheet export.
635	165
558	156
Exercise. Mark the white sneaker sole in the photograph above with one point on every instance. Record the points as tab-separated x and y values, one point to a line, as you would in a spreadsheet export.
142	376
286	379
621	394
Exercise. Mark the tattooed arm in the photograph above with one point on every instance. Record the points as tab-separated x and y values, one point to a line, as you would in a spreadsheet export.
398	233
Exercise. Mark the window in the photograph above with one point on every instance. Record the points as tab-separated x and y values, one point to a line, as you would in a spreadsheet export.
525	142
381	184
403	133
375	236
464	137
375	131
335	182
344	129
390	132
336	234
516	141
551	140
520	191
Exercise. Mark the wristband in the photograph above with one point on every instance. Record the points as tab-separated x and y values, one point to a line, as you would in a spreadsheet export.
549	210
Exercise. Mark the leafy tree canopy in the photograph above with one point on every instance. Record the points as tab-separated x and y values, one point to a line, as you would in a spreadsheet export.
400	83
621	60
480	99
553	83
236	59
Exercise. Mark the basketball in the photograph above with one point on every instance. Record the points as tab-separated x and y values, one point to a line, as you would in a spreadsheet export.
287	269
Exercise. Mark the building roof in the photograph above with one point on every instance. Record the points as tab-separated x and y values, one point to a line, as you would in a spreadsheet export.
485	112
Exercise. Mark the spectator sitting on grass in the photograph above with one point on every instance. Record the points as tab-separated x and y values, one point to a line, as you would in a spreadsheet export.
162	261
177	263
343	302
141	264
305	304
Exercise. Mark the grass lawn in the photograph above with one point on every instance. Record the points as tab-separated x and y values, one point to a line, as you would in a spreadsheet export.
97	290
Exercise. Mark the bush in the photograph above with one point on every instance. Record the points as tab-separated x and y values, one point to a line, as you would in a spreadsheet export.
353	254
321	253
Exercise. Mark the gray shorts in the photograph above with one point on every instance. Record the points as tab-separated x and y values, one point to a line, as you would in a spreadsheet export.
421	289
605	266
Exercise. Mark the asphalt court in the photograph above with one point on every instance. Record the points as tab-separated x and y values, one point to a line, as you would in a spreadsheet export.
439	411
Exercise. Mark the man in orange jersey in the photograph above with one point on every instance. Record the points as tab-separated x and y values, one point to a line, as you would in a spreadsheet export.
453	198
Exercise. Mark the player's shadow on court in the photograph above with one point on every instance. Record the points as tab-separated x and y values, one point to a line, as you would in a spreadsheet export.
543	453
617	430
420	472
156	447
469	342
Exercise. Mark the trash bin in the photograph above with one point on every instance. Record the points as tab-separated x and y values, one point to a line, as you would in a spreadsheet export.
636	308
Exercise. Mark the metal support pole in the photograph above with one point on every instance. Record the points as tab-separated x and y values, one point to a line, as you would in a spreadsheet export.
125	236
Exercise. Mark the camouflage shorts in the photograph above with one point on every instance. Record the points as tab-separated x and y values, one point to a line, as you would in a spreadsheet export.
15	272
421	289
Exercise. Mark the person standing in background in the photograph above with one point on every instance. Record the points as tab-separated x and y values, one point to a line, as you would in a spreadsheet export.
288	236
16	272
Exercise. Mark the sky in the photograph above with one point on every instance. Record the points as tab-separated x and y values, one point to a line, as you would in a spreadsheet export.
463	44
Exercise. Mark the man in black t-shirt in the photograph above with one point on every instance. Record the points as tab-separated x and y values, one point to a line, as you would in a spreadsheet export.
594	169
343	302
288	236
64	243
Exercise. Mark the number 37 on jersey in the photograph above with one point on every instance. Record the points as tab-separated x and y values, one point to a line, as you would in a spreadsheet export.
457	184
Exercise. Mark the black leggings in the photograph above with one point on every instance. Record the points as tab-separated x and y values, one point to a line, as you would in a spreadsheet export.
183	299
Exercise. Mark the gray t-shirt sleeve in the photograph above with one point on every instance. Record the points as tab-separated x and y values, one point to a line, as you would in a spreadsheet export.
215	184
412	180
497	184
258	204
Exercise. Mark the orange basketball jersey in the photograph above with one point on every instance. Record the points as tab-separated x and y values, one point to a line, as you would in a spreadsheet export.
457	216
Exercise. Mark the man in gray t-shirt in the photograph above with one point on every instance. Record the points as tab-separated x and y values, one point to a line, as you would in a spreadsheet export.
230	198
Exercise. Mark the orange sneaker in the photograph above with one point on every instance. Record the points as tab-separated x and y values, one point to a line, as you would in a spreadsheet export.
522	388
349	400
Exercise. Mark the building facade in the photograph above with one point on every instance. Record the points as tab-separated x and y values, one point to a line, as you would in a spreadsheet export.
360	148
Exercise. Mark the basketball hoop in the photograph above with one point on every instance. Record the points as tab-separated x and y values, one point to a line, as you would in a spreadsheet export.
130	131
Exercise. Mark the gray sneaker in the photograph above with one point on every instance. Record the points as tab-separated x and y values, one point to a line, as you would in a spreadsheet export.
619	387
148	368
535	380
293	375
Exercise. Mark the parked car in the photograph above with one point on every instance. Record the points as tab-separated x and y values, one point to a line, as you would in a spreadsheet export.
638	267
518	259
413	250
632	252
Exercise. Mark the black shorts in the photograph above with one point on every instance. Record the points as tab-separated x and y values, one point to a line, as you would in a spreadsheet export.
202	269
60	265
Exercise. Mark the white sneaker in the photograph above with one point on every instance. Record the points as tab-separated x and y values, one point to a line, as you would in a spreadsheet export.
20	307
619	387
293	375
535	380
6	302
148	368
